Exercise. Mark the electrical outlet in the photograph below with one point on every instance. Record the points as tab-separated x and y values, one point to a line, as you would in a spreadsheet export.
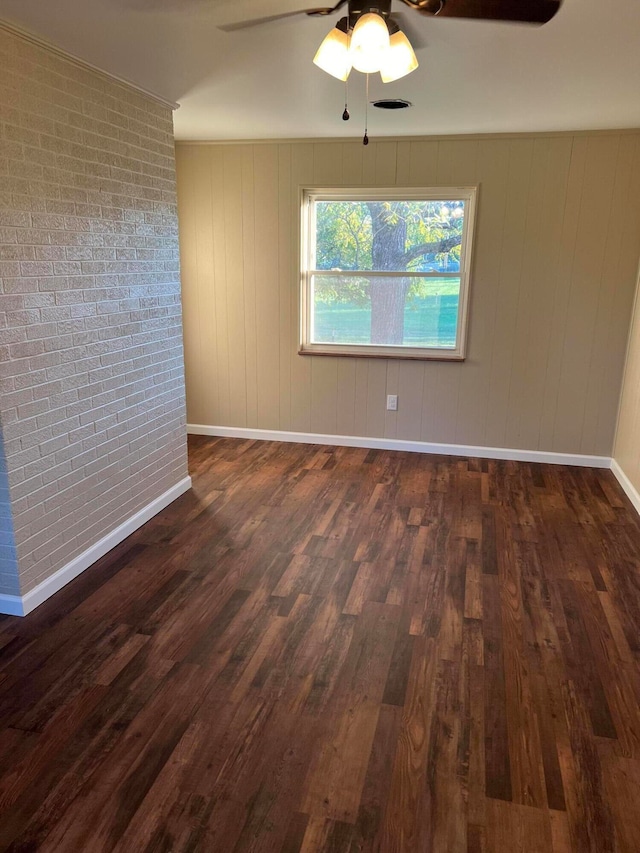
392	402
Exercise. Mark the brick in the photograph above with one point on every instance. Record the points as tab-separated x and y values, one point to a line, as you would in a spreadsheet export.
92	396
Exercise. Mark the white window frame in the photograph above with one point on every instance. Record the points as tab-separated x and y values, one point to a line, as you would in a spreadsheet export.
311	195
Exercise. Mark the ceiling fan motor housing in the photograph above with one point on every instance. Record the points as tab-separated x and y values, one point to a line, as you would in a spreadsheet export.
362	7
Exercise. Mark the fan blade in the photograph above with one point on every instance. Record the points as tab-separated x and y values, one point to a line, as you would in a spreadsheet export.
236	14
323	12
524	11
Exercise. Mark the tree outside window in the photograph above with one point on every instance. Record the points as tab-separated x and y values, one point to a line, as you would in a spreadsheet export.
386	272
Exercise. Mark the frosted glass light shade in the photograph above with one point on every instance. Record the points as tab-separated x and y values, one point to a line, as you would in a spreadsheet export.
333	55
369	43
399	60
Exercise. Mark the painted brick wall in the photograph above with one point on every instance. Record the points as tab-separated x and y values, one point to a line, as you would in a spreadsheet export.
8	560
91	360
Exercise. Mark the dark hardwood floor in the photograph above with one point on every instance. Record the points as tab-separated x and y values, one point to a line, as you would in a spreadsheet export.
334	649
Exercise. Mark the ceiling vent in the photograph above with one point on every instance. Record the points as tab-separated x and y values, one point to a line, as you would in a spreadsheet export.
392	104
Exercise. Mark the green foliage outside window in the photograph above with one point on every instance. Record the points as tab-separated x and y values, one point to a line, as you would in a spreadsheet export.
415	236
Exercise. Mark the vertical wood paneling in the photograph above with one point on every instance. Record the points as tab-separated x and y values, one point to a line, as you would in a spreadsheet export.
508	284
352	163
361	395
288	318
593	219
409	390
444	403
369	164
386	164
403	164
567	245
392	387
221	284
234	281
518	429
473	400
206	321
555	259
543	282
249	284
267	284
188	168
623	268
612	250
346	412
324	395
376	396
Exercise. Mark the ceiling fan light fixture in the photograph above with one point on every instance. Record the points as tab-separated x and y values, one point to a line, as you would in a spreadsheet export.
399	60
369	43
333	55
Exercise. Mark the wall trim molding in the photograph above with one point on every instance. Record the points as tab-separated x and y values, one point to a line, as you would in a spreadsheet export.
437	137
627	486
39	41
400	444
20	605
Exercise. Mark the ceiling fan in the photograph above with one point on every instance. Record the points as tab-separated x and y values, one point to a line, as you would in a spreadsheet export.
368	38
237	14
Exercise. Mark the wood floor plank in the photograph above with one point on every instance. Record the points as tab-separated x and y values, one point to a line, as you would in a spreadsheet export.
407	822
375	791
517	828
336	776
338	649
496	740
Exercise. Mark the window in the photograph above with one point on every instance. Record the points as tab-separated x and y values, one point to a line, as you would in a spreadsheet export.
386	272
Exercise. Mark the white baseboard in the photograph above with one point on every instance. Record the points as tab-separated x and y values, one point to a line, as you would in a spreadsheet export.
627	486
20	605
11	605
400	444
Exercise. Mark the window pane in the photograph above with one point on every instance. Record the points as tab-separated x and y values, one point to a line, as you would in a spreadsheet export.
420	236
411	312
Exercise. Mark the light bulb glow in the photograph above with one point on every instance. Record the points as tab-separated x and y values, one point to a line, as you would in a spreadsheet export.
369	43
333	55
399	60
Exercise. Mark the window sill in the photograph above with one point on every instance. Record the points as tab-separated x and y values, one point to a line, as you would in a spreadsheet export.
380	352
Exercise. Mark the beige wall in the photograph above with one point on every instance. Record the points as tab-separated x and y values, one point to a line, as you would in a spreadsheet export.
91	363
627	444
555	260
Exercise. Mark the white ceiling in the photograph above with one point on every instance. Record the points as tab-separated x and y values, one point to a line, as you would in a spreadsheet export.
581	70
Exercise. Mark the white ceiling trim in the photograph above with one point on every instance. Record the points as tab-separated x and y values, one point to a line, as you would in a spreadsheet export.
32	38
416	137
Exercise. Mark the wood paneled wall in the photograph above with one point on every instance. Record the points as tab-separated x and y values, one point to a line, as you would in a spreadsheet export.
627	444
554	272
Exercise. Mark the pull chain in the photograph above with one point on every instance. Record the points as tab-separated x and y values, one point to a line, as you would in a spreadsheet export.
365	138
345	114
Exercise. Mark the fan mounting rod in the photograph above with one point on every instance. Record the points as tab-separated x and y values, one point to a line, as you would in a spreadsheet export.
357	8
